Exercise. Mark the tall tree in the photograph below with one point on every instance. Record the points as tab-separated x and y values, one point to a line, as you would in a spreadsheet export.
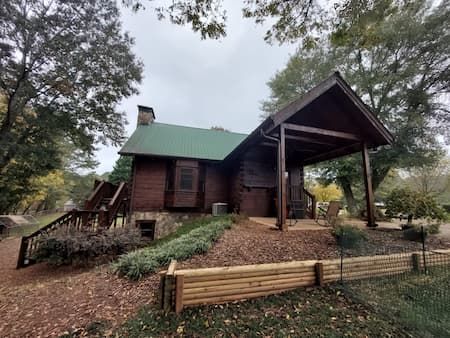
397	58
64	66
291	20
121	171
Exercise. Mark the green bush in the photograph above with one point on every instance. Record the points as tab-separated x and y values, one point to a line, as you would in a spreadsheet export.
349	236
236	218
140	263
414	233
68	246
413	204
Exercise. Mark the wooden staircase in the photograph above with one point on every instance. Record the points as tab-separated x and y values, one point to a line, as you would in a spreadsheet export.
105	208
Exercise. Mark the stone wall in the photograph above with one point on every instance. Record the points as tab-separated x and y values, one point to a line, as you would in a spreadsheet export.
165	222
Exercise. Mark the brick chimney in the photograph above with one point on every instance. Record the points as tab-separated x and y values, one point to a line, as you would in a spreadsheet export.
145	115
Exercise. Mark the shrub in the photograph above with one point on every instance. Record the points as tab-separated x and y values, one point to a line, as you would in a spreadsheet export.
67	246
349	236
236	218
137	264
413	204
414	233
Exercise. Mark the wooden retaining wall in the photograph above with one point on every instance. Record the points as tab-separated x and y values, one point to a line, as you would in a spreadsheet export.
186	287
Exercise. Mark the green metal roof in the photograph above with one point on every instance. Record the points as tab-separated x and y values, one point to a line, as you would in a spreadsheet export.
178	141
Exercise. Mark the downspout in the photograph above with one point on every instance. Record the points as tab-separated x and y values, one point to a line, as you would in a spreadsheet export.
279	177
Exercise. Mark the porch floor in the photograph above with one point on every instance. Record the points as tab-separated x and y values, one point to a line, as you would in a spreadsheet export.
301	224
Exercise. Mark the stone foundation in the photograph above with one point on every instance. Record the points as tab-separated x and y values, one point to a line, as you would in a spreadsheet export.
165	222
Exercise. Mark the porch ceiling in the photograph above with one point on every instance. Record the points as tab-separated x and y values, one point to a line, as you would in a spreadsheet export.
327	122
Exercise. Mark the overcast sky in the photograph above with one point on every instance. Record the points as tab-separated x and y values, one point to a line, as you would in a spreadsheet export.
200	83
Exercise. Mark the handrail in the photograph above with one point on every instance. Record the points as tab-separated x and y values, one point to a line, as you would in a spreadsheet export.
310	204
116	202
89	218
95	192
49	225
116	195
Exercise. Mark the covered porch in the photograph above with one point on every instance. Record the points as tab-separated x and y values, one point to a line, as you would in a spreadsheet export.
328	122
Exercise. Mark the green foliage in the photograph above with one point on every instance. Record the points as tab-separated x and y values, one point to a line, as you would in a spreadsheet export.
414	232
140	263
349	236
63	69
237	218
66	246
413	204
318	312
121	171
382	50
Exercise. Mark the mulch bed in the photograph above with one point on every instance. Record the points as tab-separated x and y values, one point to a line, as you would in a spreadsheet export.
45	301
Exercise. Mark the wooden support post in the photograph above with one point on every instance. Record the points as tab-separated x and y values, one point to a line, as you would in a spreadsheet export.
179	293
22	253
283	204
319	273
369	189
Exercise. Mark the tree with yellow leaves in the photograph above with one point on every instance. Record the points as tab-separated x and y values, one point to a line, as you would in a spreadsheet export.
326	193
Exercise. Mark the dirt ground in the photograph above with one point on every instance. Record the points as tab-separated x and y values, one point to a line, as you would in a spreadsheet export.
44	301
40	301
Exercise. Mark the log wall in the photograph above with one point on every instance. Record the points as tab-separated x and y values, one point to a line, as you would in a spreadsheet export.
149	184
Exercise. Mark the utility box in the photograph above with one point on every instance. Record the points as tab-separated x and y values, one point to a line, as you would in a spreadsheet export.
219	209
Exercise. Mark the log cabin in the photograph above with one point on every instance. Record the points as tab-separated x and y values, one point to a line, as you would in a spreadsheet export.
178	170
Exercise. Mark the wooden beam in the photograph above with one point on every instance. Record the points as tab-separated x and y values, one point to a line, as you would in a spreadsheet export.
307	139
303	101
322	132
268	144
331	154
369	190
283	204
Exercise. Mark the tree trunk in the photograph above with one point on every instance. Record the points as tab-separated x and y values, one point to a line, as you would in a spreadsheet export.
348	194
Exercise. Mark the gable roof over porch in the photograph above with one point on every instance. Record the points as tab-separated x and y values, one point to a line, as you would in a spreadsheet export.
327	122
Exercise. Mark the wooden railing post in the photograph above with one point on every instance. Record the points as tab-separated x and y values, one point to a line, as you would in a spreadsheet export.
22	253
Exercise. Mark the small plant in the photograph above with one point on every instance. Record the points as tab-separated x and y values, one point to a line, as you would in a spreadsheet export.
140	263
414	233
73	247
349	236
236	217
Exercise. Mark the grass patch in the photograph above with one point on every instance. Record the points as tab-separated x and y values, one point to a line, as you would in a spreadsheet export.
420	301
324	312
46	219
26	230
195	238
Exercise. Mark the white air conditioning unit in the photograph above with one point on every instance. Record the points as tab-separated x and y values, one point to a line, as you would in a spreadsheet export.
219	209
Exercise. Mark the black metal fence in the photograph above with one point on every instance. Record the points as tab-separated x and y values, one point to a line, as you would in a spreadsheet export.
411	287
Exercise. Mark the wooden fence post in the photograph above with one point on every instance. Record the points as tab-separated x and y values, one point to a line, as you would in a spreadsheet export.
162	281
169	287
179	293
319	273
415	262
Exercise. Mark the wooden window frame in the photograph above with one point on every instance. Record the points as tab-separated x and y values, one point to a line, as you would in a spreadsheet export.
180	180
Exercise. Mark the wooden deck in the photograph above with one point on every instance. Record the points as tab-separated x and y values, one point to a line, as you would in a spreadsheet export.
301	224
